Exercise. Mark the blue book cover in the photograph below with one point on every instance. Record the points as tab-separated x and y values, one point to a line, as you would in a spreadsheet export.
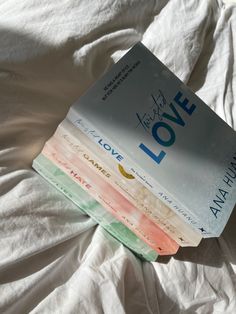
145	118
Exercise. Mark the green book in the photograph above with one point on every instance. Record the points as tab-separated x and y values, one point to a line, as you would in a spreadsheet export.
88	205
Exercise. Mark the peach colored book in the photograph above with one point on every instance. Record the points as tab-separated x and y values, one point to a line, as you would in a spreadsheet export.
110	198
76	141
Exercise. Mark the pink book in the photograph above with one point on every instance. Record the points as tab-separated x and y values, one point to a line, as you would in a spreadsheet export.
73	139
110	198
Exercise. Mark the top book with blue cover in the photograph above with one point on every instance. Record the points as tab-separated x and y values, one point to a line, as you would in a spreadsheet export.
172	142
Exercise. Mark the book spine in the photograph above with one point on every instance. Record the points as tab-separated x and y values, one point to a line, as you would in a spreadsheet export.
113	201
88	205
96	136
74	140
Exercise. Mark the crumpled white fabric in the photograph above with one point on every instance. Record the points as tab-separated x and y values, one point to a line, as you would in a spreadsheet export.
53	258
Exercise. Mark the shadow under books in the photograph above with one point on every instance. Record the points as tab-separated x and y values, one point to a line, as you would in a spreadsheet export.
211	252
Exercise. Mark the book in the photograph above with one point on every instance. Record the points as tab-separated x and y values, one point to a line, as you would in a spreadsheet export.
71	138
109	198
61	181
146	119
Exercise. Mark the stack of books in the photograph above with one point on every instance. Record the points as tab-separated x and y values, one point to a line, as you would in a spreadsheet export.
146	158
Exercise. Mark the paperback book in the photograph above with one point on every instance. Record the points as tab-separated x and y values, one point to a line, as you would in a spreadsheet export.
61	181
71	138
146	119
110	198
145	157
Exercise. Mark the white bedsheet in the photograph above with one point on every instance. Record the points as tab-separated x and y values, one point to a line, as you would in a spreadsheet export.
54	259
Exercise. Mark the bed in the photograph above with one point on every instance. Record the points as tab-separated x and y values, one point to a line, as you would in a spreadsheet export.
53	258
